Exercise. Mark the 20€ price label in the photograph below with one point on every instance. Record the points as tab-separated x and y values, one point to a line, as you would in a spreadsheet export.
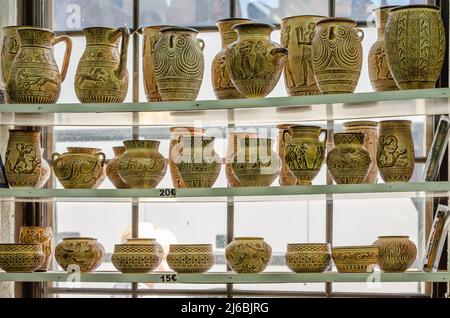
169	278
167	193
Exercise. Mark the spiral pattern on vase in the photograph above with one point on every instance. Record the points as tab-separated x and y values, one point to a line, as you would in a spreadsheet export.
349	55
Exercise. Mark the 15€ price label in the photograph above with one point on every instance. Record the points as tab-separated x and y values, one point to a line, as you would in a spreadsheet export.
168	278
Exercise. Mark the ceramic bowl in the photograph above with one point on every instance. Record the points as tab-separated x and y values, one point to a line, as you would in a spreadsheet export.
21	258
134	240
136	258
190	258
355	259
308	257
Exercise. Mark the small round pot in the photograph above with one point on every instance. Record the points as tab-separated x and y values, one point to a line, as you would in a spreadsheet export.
21	258
190	258
112	169
397	253
355	259
308	257
248	254
136	258
83	252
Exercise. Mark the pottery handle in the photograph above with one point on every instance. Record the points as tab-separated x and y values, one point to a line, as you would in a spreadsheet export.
285	140
55	157
360	34
201	44
65	65
102	156
325	136
122	68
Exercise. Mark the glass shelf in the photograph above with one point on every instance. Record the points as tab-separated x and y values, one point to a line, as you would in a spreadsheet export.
222	278
251	194
258	111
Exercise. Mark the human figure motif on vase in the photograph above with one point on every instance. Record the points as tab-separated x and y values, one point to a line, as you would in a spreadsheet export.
382	69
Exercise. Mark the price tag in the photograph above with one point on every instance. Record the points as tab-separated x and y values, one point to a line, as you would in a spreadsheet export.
168	193
169	278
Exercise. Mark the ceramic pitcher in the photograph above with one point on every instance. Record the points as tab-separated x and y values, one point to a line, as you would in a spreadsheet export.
151	36
25	166
39	235
415	45
304	151
337	55
179	64
379	73
102	75
233	142
222	84
296	35
254	62
34	77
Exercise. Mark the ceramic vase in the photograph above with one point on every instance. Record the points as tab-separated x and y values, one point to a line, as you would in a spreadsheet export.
286	178
199	165
136	258
379	73
175	149
21	258
42	236
102	75
349	161
190	258
337	55
248	254
80	168
254	62
255	164
415	45
233	142
221	81
297	33
179	64
397	253
24	165
83	253
112	169
308	257
142	166
34	77
304	151
370	129
395	155
355	259
151	37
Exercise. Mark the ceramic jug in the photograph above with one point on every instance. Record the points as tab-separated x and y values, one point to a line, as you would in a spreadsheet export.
254	62
233	142
34	77
337	55
151	36
112	167
415	45
304	151
296	35
39	235
379	73
222	84
179	64
102	75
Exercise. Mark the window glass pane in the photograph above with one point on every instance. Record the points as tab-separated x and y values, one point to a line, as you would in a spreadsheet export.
78	14
360	10
274	10
183	12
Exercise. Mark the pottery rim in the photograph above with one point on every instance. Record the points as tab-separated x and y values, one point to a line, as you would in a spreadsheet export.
187	129
87	150
337	19
37	29
19	244
304	16
396	122
304	126
79	239
190	245
359	247
309	244
412	6
248	238
178	28
239	26
369	123
35	227
141	239
156	27
393	236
